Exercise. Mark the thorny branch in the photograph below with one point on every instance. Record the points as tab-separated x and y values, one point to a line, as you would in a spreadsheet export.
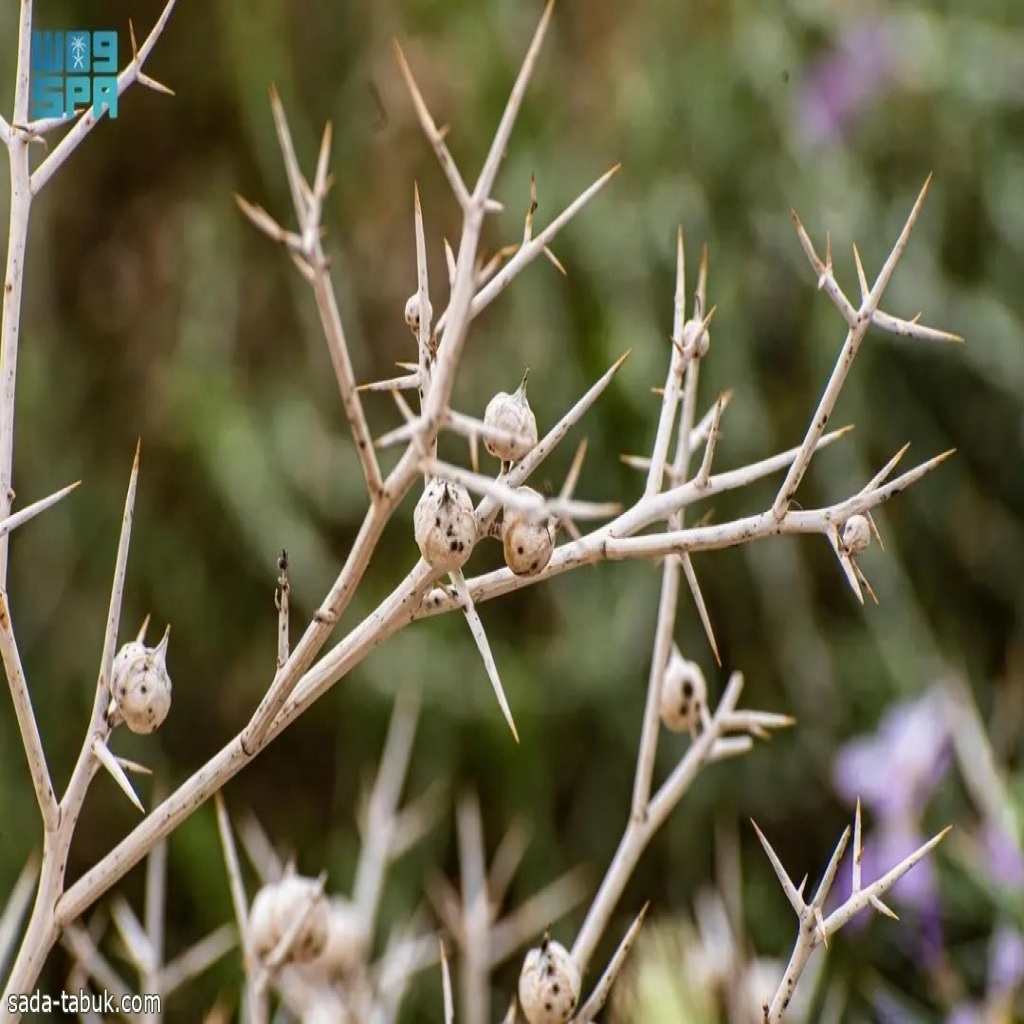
816	929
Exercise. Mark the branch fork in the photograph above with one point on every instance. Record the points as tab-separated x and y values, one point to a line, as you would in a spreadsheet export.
815	928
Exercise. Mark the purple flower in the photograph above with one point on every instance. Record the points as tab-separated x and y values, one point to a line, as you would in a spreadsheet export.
842	82
965	1013
1005	974
1005	962
896	769
1002	856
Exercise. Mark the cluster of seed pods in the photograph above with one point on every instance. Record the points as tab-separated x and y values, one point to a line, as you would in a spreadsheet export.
444	522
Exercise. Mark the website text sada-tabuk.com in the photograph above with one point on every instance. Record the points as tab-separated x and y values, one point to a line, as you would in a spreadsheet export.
82	1002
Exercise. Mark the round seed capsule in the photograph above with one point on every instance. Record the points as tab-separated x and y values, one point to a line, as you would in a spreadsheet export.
528	545
327	1007
140	686
856	535
274	911
511	414
696	339
549	984
684	693
445	525
346	938
412	312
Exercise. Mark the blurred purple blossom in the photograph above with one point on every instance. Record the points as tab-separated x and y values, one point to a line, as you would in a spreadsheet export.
888	845
894	772
839	84
1005	975
1005	962
965	1013
895	769
1002	855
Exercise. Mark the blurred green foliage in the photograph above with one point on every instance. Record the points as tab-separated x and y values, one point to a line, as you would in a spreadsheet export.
153	310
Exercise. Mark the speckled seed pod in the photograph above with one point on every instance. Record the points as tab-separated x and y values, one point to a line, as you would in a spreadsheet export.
512	414
444	525
276	907
549	984
696	339
528	545
856	535
346	938
140	687
684	693
412	312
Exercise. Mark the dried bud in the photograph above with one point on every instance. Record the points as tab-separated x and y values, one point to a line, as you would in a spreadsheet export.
696	340
346	938
684	694
412	312
856	535
274	911
528	545
549	984
140	687
513	415
444	524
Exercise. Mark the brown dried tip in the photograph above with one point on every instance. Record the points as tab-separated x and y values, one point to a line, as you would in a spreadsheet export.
617	365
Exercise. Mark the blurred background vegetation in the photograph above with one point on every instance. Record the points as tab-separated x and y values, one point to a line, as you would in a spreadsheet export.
153	310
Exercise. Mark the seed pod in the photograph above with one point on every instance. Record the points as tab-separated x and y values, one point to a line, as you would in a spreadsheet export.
696	340
274	911
140	687
684	693
445	525
346	938
412	312
528	545
549	984
513	415
856	535
327	1007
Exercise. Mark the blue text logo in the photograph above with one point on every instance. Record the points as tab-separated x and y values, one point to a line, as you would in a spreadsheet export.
72	71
